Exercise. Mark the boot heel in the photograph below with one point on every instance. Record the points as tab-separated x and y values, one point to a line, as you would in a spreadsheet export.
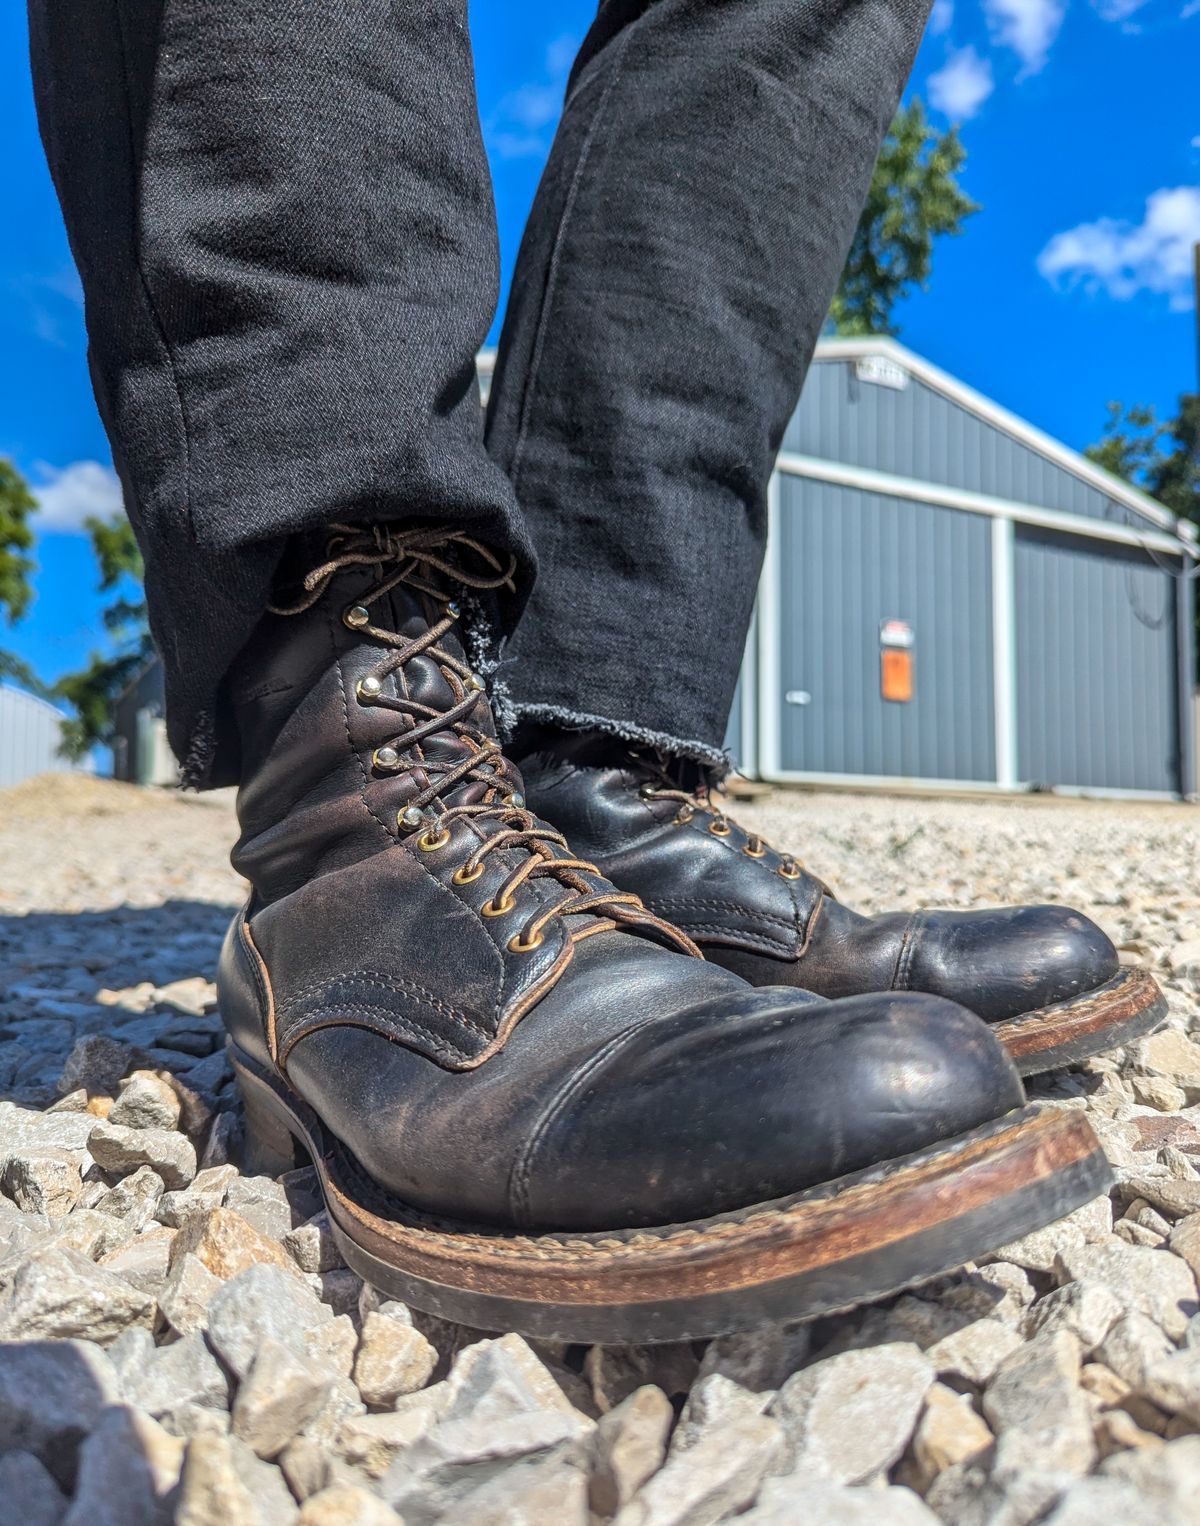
270	1149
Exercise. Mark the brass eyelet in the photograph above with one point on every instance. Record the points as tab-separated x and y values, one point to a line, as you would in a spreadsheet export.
720	829
463	876
758	852
648	792
386	760
430	842
790	874
518	946
492	909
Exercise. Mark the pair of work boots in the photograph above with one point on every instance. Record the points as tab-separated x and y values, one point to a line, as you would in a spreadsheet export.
479	1005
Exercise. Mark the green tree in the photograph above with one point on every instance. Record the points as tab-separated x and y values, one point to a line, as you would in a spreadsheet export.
93	691
1160	457
17	503
914	198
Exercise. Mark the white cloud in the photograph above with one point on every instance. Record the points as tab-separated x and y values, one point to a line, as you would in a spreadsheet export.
523	122
941	18
1117	10
68	495
1125	259
1028	27
961	85
1196	141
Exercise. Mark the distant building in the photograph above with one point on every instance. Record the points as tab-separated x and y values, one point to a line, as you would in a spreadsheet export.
30	736
141	754
954	600
951	600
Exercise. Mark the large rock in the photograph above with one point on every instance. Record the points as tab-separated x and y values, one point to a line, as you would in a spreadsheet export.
628	1447
51	1396
1171	1055
143	1260
146	1102
134	1200
1112	1499
1038	1410
541	1491
717	1477
98	1063
263	1203
1087	1310
1173	1383
312	1245
43	1181
849	1417
714	1403
1132	1346
428	1478
128	1472
800	1498
1169	1476
227	1244
949	1433
60	1295
973	1352
121	1150
263	1302
346	1505
175	1380
186	1294
1185	1242
206	1191
392	1359
29	1492
1153	1282
279	1395
223	1483
502	1378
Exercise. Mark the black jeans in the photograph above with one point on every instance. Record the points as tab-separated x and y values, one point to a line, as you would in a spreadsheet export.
283	220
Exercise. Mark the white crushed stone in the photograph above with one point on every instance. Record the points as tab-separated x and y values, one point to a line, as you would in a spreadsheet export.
184	1343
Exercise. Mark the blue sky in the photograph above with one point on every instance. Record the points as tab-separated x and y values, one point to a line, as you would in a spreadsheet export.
1071	287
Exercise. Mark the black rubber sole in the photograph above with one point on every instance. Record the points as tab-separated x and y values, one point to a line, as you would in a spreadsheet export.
833	1246
1125	1008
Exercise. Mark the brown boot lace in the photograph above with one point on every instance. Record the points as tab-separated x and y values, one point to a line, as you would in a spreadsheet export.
415	557
705	800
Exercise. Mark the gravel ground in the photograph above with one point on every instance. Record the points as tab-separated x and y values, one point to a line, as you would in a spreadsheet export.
181	1342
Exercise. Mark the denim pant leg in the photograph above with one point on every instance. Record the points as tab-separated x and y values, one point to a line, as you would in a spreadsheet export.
283	219
685	242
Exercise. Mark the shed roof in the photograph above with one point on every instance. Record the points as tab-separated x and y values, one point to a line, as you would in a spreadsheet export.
1063	456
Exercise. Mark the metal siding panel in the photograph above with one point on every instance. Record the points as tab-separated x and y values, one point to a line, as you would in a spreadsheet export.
919	433
850	560
29	737
1095	665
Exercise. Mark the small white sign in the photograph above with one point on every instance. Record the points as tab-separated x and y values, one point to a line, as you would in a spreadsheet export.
881	372
896	633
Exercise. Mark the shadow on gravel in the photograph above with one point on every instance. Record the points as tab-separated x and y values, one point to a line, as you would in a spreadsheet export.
68	976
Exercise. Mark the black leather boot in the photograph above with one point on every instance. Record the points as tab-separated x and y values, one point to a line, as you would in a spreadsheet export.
530	1105
1045	977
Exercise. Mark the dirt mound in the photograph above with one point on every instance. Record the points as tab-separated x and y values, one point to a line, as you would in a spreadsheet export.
73	795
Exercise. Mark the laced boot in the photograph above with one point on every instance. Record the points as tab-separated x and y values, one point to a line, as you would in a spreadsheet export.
529	1104
1046	978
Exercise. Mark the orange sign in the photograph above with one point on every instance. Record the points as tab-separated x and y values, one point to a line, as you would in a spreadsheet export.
896	675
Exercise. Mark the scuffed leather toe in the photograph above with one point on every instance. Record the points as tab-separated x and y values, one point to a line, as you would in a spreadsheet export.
1006	962
703	1118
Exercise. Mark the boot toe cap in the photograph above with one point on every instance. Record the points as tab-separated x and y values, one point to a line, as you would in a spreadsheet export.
691	1118
1011	961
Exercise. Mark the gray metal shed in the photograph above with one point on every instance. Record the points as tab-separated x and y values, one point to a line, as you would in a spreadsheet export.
952	599
30	736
